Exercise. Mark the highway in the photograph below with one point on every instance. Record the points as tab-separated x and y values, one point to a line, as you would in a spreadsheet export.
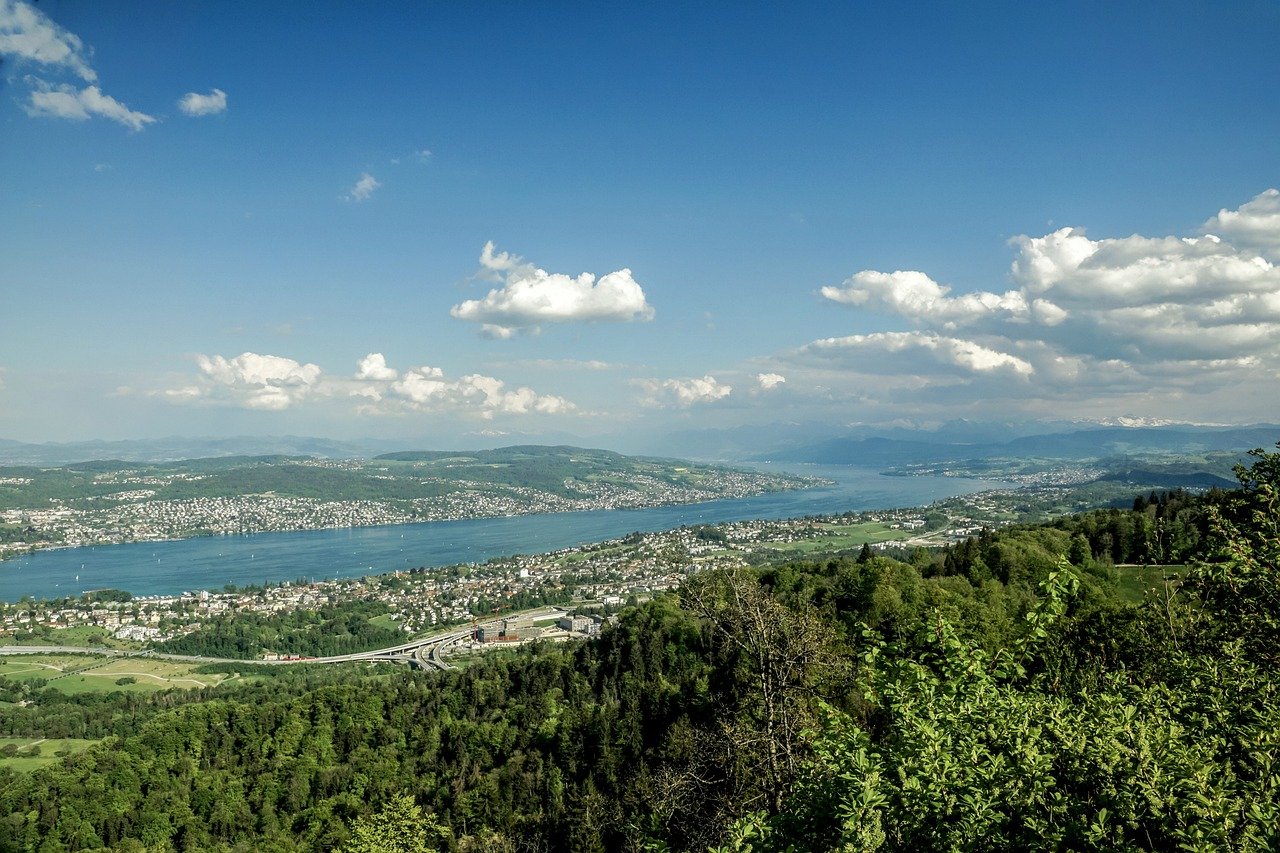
424	652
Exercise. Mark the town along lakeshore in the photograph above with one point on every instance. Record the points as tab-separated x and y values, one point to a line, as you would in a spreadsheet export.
168	568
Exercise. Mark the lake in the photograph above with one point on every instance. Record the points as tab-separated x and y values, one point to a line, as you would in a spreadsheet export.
168	568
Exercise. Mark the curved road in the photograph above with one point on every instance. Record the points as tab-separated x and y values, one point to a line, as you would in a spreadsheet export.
423	652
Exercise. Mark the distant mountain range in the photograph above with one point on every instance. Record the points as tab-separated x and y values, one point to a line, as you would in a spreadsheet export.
1075	444
812	441
179	448
174	449
780	442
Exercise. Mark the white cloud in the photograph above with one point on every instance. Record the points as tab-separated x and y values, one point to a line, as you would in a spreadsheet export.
1078	273
422	154
65	101
275	383
530	296
683	392
374	366
498	333
495	261
363	188
1144	301
1253	225
916	296
28	34
251	380
899	352
769	381
427	389
195	104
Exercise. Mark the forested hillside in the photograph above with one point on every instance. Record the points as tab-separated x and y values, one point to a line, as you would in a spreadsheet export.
1004	694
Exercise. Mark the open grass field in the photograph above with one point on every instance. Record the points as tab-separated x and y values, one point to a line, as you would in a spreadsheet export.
27	667
89	674
34	753
1137	583
385	621
80	636
87	635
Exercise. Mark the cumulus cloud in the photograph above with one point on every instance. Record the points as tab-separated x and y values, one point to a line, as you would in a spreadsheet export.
28	34
683	392
66	101
274	383
374	366
428	389
1253	225
363	188
254	381
495	261
1110	313
916	296
31	37
769	381
530	296
195	104
897	352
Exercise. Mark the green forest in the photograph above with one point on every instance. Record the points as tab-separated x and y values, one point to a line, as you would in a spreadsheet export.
1010	692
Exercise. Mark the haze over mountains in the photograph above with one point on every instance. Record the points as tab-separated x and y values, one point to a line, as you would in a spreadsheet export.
816	443
1076	444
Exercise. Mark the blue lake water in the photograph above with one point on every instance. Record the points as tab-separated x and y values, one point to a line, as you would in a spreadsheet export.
167	568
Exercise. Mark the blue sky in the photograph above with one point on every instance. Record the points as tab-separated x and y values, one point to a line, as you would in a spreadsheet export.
248	218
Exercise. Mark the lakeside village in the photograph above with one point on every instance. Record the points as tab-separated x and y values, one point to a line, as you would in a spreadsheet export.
598	578
132	515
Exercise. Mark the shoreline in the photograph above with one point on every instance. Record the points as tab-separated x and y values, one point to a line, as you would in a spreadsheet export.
5	556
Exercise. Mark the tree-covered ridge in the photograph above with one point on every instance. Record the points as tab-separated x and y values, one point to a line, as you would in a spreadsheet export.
328	630
1010	699
405	475
1162	732
553	469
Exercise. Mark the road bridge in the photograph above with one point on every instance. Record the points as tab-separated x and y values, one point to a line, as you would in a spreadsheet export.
422	653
